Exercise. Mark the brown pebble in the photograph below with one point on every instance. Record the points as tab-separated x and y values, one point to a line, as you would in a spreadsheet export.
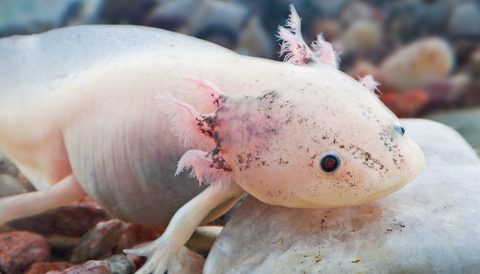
74	220
44	267
99	242
19	250
135	234
91	267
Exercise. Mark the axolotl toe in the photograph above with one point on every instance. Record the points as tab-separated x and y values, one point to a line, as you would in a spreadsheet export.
108	111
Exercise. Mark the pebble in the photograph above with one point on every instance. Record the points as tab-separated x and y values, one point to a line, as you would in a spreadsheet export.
404	20
465	21
203	238
99	242
91	267
135	234
418	63
120	264
74	220
254	40
363	36
407	104
44	267
19	250
10	185
186	262
7	166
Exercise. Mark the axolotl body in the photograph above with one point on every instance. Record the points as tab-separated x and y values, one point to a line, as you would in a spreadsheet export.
108	111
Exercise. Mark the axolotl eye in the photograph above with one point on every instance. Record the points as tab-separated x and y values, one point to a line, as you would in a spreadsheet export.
329	162
399	128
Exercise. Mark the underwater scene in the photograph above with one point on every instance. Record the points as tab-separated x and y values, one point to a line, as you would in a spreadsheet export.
239	136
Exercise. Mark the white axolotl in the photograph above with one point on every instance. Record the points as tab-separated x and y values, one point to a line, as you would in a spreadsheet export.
85	111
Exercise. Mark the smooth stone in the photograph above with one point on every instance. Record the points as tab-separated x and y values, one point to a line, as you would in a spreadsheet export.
203	238
44	267
404	19
6	165
99	242
74	220
363	36
466	122
118	264
10	185
418	63
254	40
135	234
186	261
465	20
29	17
19	250
91	267
406	104
356	11
429	226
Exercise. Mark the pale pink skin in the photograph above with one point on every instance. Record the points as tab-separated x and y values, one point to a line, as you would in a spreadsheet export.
92	112
272	142
94	127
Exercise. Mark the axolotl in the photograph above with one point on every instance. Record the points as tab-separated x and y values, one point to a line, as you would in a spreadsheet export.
108	111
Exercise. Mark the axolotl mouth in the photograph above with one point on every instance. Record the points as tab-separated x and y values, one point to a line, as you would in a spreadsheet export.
417	163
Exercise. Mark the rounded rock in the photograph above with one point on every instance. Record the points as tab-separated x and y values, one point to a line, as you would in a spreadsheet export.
19	250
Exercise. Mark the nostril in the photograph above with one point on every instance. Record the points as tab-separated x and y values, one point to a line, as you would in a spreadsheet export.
399	128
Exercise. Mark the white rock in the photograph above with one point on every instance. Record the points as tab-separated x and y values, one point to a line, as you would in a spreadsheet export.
429	226
186	262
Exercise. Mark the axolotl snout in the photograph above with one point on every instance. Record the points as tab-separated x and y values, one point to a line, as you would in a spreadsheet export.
303	135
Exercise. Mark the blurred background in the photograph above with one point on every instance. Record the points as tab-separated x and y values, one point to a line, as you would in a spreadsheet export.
424	53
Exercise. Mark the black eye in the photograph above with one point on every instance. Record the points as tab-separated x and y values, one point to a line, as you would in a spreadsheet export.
330	162
399	128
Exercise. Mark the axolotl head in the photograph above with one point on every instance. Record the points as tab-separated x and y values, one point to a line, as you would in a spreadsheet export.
309	144
305	143
315	138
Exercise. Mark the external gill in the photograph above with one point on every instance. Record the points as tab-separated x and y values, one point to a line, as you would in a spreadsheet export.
297	52
207	124
197	129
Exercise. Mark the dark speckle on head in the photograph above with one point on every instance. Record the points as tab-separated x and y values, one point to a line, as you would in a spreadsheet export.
271	96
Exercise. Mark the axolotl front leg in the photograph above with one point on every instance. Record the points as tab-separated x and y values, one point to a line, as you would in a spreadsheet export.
222	194
182	226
